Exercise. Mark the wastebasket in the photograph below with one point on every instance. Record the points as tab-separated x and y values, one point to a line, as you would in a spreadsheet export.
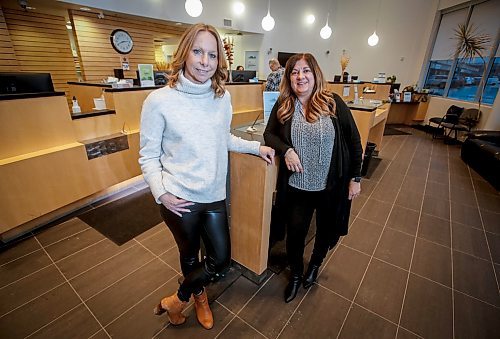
370	147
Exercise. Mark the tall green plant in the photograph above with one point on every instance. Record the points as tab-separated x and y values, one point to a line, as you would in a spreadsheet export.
471	43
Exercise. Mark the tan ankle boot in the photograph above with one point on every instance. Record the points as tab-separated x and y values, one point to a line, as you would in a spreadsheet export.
203	311
174	307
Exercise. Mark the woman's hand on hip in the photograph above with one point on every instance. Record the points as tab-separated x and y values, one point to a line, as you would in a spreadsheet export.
267	153
292	161
354	189
174	204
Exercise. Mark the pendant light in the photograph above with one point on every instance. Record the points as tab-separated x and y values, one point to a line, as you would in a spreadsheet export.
193	8
326	31
373	39
268	20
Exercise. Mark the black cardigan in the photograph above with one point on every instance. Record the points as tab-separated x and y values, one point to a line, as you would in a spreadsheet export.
345	164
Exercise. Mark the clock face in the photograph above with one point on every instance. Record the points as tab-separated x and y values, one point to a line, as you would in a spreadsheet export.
121	41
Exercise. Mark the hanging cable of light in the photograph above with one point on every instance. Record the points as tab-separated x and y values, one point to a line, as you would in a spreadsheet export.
268	20
193	8
373	39
326	31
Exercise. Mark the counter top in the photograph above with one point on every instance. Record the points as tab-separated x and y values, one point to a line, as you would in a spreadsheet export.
30	95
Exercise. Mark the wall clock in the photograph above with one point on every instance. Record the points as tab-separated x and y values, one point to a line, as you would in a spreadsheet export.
121	41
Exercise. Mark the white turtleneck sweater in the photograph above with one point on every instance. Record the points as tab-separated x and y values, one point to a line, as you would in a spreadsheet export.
184	142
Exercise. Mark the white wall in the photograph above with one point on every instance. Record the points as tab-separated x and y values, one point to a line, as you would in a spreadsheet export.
404	29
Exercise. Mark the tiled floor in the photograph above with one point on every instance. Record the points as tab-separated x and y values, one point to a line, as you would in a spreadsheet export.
422	260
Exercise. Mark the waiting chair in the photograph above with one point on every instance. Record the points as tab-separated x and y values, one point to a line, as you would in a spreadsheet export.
467	120
452	116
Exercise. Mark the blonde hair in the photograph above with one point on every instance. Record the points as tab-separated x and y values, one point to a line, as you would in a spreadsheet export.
321	101
184	48
275	62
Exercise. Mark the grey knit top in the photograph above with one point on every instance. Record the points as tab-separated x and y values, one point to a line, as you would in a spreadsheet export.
313	143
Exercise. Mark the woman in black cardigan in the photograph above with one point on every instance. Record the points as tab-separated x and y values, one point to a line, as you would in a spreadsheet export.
315	134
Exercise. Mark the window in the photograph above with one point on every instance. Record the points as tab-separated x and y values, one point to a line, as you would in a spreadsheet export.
462	79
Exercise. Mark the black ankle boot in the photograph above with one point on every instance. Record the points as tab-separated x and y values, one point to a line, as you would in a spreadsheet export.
311	275
293	287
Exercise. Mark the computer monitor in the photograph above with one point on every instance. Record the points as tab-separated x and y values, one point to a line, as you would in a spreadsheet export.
354	77
243	76
393	87
160	78
283	57
21	82
336	78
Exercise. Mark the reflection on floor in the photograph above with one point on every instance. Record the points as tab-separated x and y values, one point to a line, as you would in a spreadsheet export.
422	259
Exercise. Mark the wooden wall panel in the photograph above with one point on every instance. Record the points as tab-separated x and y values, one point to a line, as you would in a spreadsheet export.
41	44
8	60
98	58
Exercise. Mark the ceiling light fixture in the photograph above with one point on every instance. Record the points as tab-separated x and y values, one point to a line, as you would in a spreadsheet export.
326	31
310	19
238	8
193	8
268	21
373	39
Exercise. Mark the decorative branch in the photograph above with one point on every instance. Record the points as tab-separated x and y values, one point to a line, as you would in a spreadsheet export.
229	49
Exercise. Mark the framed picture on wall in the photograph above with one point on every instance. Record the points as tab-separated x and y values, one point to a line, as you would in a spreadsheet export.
146	75
251	60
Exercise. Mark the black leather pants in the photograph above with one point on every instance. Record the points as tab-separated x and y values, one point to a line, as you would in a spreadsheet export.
206	221
301	206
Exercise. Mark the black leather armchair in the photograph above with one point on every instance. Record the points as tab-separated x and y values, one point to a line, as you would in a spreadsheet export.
481	151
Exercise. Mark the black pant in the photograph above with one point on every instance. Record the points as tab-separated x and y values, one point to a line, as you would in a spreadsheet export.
301	206
208	221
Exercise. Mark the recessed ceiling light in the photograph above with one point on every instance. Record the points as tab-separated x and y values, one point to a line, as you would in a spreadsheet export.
310	19
238	8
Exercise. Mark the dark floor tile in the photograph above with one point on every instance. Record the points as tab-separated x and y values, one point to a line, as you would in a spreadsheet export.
437	207
409	199
357	204
376	211
19	268
427	310
380	169
29	287
494	242
475	277
395	247
38	312
239	329
91	256
363	324
139	321
405	334
238	294
77	323
386	191
434	229
460	171
465	214
489	202
475	319
171	258
470	240
111	302
56	233
267	311
439	165
363	236
320	307
17	249
159	242
462	196
416	185
438	191
153	230
482	186
439	177
367	186
74	243
344	271
382	290
491	221
432	261
403	219
191	329
110	271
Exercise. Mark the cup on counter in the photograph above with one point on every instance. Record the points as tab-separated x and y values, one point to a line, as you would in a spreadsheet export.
99	103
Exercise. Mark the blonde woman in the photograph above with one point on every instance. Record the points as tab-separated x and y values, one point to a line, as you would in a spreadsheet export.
184	142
